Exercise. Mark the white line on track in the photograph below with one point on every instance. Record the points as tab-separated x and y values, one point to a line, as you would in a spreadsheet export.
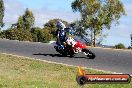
110	49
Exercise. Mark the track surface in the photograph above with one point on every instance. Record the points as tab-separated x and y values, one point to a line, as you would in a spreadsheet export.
106	59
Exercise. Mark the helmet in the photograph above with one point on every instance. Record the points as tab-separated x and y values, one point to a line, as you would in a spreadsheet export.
60	25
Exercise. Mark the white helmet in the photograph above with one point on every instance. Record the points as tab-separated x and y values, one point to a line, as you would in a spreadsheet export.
61	25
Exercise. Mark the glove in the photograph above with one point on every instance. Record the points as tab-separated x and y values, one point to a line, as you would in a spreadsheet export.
64	43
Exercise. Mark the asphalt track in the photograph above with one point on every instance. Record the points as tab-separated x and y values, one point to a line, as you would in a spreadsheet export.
106	59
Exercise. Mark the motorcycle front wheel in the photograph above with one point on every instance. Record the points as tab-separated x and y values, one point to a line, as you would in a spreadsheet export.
88	53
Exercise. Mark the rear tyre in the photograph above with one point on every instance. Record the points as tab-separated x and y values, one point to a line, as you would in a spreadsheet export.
72	55
64	54
69	50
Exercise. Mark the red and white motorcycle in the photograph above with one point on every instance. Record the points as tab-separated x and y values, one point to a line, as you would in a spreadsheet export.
72	47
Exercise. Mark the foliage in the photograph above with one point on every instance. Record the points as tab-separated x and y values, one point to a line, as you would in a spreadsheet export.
78	28
46	35
35	34
20	22
18	34
80	32
41	35
2	9
26	21
119	46
2	34
97	14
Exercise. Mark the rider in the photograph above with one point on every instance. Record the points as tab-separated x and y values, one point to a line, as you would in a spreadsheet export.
61	34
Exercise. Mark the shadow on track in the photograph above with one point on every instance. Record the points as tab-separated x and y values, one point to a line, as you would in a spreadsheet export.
57	55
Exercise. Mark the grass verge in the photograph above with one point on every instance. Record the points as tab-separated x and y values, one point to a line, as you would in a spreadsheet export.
18	72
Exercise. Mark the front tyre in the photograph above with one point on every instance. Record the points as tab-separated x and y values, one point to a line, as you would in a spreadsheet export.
88	53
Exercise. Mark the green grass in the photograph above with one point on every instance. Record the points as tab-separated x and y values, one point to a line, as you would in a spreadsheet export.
16	72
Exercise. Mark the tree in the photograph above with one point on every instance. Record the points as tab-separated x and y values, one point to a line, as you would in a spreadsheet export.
119	46
97	15
22	29
80	32
27	20
20	22
2	8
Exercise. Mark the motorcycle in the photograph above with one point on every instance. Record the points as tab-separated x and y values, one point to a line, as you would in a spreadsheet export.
72	47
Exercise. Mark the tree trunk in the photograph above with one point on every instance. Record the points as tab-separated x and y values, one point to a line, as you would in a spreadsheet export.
94	42
91	36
